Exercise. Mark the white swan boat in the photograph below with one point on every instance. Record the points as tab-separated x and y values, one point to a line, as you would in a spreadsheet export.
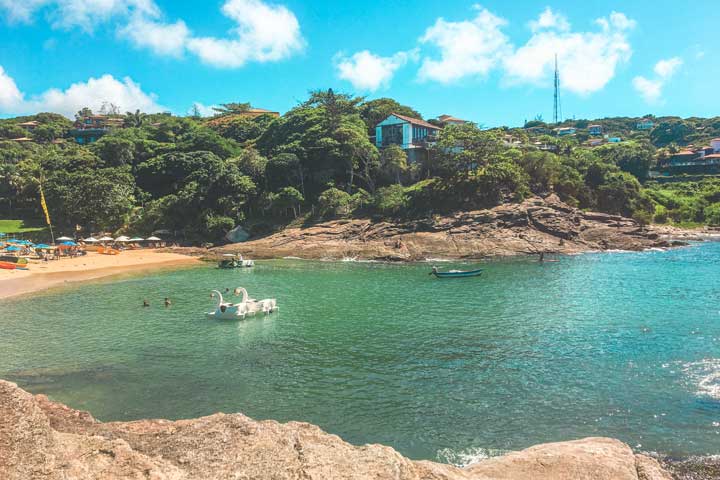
230	260
245	308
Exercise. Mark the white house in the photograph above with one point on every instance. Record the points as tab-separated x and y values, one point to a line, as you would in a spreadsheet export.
715	144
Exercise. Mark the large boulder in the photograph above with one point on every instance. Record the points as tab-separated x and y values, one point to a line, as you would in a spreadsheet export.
41	439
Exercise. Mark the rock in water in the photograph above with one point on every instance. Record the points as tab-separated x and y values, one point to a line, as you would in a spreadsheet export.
41	439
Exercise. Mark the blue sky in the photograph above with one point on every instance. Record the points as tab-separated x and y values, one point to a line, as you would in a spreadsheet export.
490	63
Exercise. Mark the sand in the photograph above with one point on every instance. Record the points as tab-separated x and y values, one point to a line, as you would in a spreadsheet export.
44	275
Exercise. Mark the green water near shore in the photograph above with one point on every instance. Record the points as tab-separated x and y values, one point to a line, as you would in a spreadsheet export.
625	345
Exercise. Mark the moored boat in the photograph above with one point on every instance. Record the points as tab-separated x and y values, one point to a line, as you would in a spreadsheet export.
13	259
230	260
456	273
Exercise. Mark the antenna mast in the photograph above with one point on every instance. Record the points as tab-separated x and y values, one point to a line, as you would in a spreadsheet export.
557	108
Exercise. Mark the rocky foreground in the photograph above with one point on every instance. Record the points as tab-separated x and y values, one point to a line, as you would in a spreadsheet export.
536	225
41	439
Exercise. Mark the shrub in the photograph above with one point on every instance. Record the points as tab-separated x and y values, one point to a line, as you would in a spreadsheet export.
391	199
334	202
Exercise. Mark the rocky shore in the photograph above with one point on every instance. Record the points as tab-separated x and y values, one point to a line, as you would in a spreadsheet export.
41	439
536	225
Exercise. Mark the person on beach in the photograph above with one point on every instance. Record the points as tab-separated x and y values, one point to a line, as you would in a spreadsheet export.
145	303
542	257
167	302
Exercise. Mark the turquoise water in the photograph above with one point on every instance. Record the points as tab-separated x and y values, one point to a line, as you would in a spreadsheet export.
625	345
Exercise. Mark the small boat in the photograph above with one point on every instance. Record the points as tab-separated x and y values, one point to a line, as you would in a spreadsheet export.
12	266
246	308
13	259
230	260
456	273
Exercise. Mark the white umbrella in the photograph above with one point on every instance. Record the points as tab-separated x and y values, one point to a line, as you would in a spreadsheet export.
153	239
105	239
64	239
122	239
136	239
91	240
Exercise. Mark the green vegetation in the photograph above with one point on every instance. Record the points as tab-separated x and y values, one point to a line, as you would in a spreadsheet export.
18	226
201	177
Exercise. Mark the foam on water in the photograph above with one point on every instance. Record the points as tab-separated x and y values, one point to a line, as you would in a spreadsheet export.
705	376
463	458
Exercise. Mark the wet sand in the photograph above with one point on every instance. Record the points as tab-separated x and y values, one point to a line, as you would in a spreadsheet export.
45	275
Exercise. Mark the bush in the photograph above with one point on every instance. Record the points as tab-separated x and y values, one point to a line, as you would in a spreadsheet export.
391	199
334	202
661	214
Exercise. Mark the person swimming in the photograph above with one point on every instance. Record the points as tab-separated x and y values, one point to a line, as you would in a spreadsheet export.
167	302
145	303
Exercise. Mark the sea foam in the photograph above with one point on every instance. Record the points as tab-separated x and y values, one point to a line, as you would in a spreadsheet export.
468	456
705	375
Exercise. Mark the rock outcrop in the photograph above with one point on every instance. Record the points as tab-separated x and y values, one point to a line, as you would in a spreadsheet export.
536	225
41	439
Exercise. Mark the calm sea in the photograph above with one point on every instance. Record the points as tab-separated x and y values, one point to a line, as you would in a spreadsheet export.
624	345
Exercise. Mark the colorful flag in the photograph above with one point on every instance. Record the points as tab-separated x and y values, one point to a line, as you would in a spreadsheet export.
44	205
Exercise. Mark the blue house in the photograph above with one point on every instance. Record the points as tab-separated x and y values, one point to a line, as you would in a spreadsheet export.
412	134
595	130
561	132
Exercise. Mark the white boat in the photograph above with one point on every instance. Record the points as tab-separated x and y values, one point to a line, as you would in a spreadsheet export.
230	260
246	308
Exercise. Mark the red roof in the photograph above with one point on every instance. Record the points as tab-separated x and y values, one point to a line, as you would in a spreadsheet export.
714	155
715	140
416	121
686	152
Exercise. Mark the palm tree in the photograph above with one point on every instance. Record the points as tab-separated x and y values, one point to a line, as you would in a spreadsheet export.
134	119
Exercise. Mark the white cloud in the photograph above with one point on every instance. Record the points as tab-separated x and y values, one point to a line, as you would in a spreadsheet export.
126	94
667	68
651	89
550	19
588	60
83	14
263	33
467	48
367	71
10	95
162	38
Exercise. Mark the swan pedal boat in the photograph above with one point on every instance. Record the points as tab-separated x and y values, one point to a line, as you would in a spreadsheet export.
246	308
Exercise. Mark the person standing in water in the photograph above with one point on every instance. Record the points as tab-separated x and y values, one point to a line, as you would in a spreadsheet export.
542	257
145	303
167	302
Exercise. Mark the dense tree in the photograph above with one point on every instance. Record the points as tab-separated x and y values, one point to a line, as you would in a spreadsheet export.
375	111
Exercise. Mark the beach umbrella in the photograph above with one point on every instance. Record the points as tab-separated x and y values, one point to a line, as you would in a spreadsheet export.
12	248
91	240
153	239
43	246
24	242
69	244
136	239
105	239
122	239
64	239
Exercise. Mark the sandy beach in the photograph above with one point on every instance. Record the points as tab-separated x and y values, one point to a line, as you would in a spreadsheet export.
45	275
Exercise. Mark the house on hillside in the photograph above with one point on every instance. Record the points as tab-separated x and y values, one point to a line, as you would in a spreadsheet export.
645	124
698	161
595	130
715	144
89	128
450	120
29	126
565	131
414	135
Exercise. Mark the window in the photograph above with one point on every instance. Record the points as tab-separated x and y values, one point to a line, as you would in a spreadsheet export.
392	135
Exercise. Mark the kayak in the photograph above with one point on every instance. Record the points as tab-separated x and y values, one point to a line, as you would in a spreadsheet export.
12	266
457	273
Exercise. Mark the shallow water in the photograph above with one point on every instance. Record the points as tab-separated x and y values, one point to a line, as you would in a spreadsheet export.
625	345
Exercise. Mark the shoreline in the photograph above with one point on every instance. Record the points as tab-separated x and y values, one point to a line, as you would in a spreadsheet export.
42	276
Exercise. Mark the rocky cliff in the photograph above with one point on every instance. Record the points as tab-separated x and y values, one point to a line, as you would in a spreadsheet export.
534	226
41	439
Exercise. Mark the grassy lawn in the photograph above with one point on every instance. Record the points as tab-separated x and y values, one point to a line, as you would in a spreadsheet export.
20	226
